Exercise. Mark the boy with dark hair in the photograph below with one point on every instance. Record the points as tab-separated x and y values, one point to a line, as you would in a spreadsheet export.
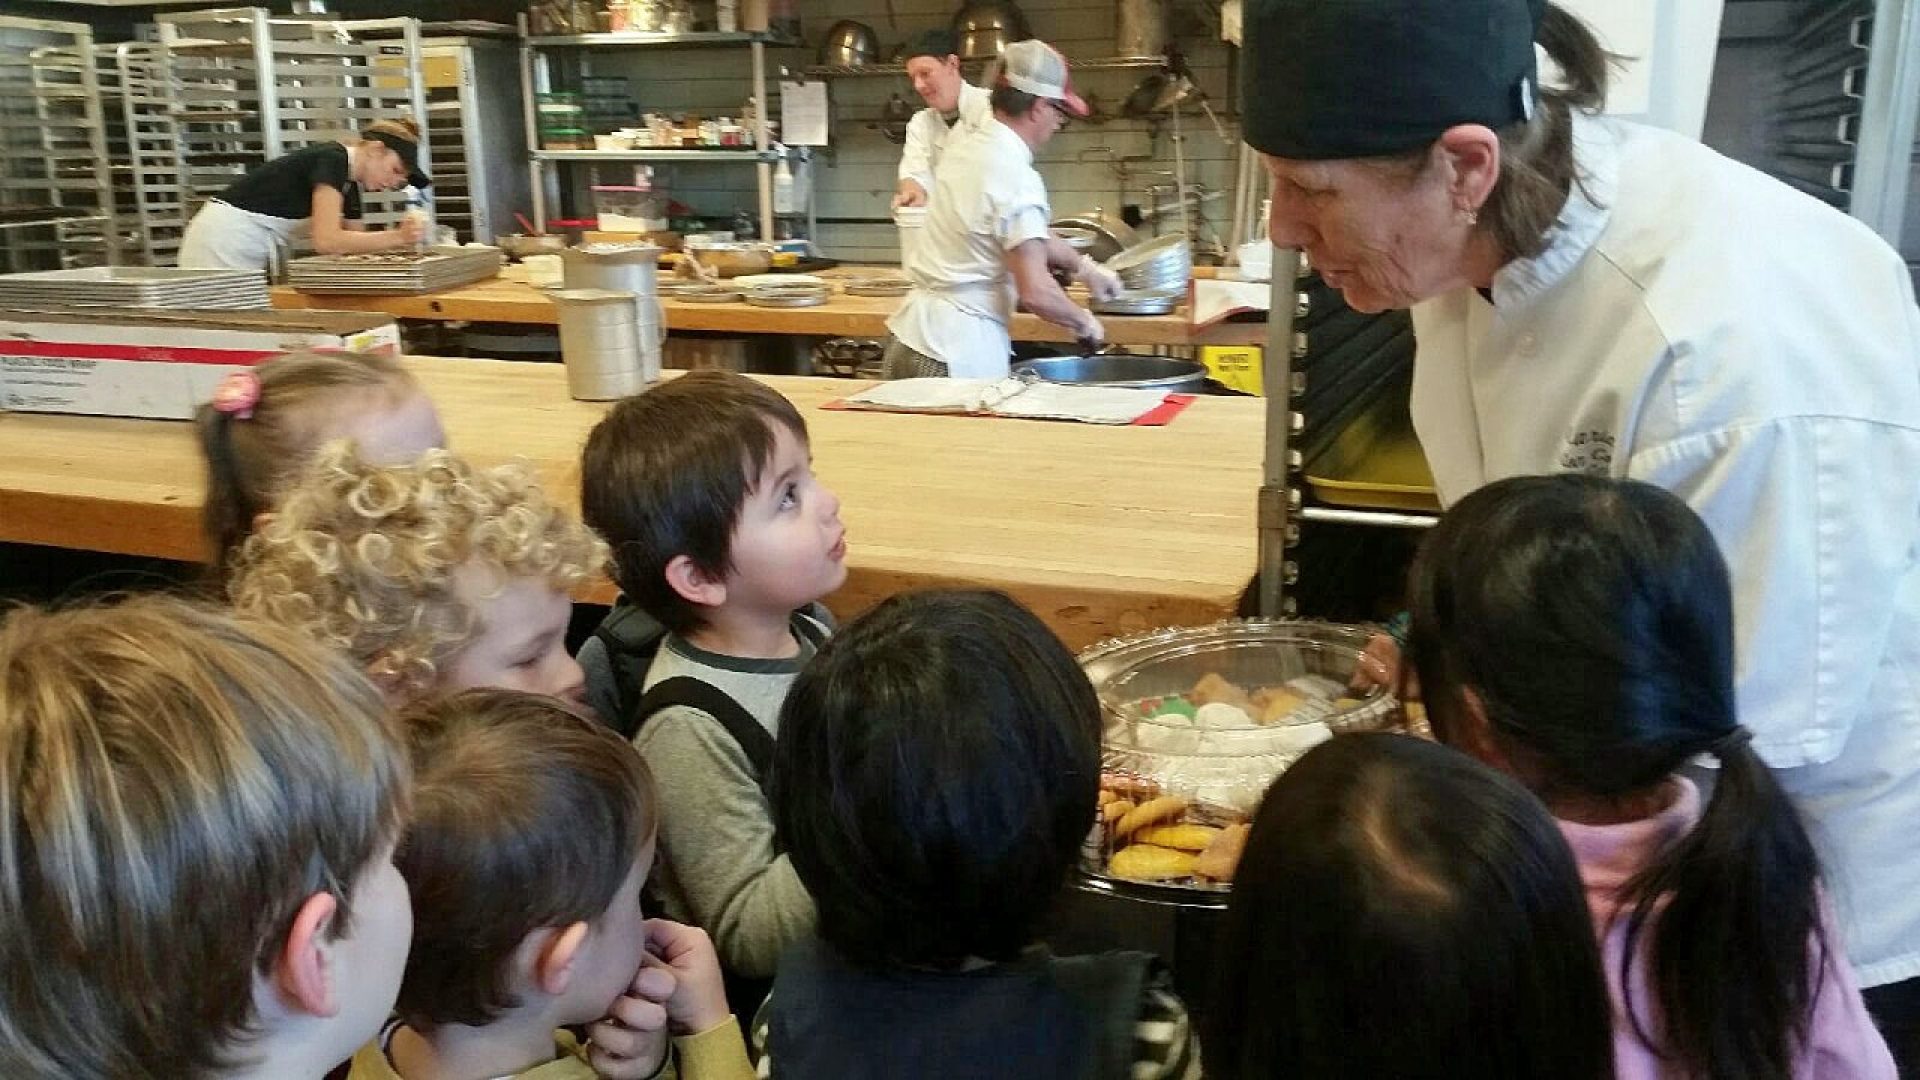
704	488
532	835
936	778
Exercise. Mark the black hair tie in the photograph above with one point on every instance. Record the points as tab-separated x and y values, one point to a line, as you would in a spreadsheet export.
1730	742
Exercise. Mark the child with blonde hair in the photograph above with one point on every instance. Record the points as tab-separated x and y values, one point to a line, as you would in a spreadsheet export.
432	575
264	425
197	820
531	835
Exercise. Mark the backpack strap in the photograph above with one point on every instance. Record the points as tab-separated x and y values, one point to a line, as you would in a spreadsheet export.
632	639
698	694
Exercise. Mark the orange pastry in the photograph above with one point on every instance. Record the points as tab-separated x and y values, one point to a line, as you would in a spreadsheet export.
1222	856
1213	687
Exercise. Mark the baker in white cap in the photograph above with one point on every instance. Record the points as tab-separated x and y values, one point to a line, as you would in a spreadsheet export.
987	239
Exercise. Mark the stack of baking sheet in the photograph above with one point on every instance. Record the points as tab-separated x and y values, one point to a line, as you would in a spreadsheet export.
136	287
396	271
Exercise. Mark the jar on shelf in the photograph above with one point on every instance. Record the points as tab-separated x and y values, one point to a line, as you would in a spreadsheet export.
550	18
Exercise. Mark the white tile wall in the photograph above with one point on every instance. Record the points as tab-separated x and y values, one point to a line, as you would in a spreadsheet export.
854	179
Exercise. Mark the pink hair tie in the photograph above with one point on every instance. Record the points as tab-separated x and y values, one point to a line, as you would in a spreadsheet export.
237	395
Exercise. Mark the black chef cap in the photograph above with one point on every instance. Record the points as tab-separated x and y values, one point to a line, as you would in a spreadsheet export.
409	152
1328	79
937	43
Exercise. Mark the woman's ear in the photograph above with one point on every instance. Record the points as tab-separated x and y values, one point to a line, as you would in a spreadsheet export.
695	585
1472	153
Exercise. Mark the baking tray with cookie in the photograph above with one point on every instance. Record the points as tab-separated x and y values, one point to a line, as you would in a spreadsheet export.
1199	722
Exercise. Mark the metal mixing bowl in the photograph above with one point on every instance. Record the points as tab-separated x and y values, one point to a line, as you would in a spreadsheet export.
1123	370
849	44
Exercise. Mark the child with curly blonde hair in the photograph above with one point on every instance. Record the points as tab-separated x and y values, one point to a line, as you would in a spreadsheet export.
265	424
434	575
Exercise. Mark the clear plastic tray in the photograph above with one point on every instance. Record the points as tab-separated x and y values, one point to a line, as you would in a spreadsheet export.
1199	722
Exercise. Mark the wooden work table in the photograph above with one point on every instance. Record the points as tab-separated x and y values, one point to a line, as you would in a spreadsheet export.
1100	530
507	300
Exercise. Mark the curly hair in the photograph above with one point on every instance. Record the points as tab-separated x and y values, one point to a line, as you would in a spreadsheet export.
373	559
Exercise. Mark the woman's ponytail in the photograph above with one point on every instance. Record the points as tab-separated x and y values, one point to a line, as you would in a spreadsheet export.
1583	64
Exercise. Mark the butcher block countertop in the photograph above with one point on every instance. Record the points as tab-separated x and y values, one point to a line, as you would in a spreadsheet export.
507	299
1101	530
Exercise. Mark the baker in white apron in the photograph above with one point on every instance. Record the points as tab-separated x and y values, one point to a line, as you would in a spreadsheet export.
953	104
987	243
1591	295
312	193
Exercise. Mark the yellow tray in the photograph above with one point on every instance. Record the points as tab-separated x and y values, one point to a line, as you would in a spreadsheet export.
1375	462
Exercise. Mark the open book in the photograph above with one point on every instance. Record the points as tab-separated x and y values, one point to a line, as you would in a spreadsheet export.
1012	396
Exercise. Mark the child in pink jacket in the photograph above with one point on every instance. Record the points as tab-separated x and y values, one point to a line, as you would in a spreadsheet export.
1578	633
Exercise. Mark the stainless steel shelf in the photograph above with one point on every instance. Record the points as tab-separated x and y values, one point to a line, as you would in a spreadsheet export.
1111	63
656	155
629	40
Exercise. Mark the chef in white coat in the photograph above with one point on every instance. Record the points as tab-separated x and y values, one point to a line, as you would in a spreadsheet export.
953	103
988	243
1597	296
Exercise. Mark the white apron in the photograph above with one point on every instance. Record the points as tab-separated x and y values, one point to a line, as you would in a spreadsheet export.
221	236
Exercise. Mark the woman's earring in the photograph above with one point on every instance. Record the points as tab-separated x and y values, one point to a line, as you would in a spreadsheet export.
1469	216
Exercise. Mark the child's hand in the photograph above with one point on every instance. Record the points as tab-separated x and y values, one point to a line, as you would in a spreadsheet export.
699	1000
632	1042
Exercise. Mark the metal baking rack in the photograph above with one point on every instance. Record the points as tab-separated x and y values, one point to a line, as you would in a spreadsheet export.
56	190
250	86
1325	365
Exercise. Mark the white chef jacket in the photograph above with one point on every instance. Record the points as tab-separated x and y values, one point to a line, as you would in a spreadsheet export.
988	199
1700	326
928	132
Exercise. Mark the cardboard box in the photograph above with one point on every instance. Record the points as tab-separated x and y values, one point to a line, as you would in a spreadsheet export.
1236	367
156	364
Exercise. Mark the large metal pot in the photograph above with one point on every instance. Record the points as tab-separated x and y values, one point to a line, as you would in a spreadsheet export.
986	29
1122	370
1143	29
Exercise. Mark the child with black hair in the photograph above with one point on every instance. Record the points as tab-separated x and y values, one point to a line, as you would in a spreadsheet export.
937	771
1578	633
1404	911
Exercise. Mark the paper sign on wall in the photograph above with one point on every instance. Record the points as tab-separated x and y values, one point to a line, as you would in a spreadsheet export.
803	113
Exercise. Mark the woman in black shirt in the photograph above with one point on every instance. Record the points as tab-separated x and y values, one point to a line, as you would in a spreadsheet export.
313	191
